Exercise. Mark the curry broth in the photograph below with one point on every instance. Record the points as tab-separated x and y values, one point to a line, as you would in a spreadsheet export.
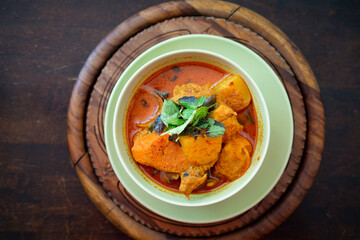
144	107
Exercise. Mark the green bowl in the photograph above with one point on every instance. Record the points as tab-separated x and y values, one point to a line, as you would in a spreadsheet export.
124	154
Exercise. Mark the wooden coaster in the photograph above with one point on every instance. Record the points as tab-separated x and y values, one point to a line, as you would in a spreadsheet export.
132	37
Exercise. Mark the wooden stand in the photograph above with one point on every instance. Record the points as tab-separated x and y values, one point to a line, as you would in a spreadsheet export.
147	28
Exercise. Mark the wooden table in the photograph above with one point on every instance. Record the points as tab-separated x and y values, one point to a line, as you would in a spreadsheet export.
45	44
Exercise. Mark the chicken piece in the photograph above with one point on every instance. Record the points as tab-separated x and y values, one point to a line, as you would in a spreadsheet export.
202	150
192	89
227	116
141	133
222	112
192	178
202	153
234	92
169	177
157	151
234	159
232	128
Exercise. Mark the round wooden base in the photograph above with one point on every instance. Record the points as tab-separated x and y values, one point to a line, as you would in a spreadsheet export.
156	24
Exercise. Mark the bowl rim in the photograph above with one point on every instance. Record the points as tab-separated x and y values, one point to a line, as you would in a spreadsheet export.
259	98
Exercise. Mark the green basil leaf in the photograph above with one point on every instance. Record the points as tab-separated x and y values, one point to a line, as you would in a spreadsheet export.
201	101
171	127
212	107
157	125
219	124
202	125
210	101
189	102
188	131
182	127
201	113
186	113
215	131
190	118
170	112
176	121
211	121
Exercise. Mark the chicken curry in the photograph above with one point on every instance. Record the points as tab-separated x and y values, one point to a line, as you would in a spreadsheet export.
192	127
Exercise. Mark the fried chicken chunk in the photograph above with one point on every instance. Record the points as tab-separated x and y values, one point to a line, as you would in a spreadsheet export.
234	158
192	178
227	116
157	151
202	150
192	89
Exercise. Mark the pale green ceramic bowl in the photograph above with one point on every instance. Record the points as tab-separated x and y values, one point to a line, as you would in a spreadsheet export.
124	153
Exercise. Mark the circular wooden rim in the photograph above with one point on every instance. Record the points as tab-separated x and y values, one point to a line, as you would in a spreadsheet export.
108	78
307	82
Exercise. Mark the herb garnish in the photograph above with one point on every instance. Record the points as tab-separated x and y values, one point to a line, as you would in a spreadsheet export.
176	69
162	94
157	125
249	117
189	117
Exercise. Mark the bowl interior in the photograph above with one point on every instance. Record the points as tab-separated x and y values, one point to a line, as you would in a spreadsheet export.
120	136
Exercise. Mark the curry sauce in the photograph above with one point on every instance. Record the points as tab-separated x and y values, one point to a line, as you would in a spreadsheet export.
146	104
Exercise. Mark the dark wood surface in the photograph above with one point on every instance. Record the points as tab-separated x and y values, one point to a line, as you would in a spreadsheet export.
45	44
256	218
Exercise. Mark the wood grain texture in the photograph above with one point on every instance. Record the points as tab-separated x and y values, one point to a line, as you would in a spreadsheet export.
43	46
113	69
117	64
97	60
